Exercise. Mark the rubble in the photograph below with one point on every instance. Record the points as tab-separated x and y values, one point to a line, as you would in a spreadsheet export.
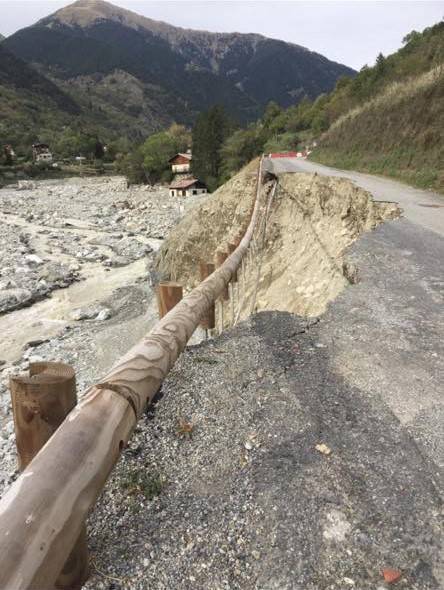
57	232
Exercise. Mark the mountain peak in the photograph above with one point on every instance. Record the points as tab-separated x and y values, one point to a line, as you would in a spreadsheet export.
85	13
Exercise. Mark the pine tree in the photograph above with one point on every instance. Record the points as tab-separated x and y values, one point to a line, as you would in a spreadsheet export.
209	133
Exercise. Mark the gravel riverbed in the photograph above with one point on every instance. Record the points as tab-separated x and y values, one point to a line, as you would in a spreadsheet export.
74	277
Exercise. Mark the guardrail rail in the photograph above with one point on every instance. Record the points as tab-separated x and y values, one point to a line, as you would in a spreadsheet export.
43	513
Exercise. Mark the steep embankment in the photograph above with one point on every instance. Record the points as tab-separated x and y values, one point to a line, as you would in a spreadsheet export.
312	221
399	133
390	118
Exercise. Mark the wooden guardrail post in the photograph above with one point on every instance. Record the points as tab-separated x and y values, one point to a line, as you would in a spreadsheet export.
220	259
231	248
168	296
40	403
208	322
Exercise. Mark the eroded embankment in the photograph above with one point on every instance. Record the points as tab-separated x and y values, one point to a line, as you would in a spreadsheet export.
300	255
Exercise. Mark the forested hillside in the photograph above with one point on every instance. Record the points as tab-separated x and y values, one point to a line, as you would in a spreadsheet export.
389	119
29	101
133	76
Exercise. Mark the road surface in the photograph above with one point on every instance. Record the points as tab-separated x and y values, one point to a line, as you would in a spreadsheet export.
421	207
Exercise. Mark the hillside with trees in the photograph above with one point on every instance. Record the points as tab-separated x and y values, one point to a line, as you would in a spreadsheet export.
133	76
28	100
389	119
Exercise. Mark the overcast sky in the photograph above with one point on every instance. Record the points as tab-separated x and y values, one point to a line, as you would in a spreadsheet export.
350	32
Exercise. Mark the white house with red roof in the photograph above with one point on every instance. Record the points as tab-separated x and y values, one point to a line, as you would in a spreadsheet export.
186	187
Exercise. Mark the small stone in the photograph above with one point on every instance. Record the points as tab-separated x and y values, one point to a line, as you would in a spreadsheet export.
390	575
33	258
103	315
323	448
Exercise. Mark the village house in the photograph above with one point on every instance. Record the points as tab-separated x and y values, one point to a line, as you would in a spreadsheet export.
41	153
187	187
181	163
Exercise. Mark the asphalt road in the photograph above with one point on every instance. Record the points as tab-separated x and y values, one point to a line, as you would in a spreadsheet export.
384	336
421	207
386	333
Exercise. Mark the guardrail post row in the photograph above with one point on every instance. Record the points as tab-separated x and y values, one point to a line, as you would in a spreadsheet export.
168	296
209	321
40	403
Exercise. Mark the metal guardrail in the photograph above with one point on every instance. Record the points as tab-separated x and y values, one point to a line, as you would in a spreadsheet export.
44	511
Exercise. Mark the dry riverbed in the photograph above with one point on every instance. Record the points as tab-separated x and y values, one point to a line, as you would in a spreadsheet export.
75	267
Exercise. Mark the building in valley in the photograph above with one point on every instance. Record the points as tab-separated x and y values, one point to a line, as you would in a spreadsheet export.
181	163
41	153
187	187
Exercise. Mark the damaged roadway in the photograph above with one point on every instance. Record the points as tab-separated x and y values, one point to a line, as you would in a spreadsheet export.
248	499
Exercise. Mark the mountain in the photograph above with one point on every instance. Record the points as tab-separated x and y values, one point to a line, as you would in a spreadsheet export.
29	101
142	74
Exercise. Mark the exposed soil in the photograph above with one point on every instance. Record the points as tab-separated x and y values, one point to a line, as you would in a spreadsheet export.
312	221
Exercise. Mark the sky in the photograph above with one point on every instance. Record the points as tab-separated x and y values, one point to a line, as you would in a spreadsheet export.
350	32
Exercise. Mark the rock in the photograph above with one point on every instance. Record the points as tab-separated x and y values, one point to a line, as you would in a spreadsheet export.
33	258
85	313
96	312
34	343
103	315
14	299
323	448
118	261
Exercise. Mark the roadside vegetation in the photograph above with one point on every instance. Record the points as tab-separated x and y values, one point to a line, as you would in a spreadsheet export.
389	119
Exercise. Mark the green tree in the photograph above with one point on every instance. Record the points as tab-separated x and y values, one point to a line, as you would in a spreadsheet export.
209	133
380	64
159	148
238	149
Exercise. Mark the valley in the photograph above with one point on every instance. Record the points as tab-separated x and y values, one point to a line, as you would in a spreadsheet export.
193	222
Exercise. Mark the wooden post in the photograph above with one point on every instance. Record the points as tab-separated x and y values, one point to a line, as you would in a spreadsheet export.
40	403
168	296
209	321
231	248
220	259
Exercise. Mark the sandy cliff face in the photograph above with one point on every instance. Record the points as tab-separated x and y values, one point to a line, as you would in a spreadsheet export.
299	263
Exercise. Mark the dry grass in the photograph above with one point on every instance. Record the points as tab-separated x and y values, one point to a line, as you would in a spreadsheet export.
399	133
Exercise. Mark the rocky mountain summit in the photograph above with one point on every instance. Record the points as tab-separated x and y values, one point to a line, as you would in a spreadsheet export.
169	73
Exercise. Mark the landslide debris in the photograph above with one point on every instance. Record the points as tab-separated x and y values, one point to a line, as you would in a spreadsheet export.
312	221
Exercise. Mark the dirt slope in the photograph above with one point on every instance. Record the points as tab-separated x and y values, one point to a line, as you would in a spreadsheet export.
312	221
